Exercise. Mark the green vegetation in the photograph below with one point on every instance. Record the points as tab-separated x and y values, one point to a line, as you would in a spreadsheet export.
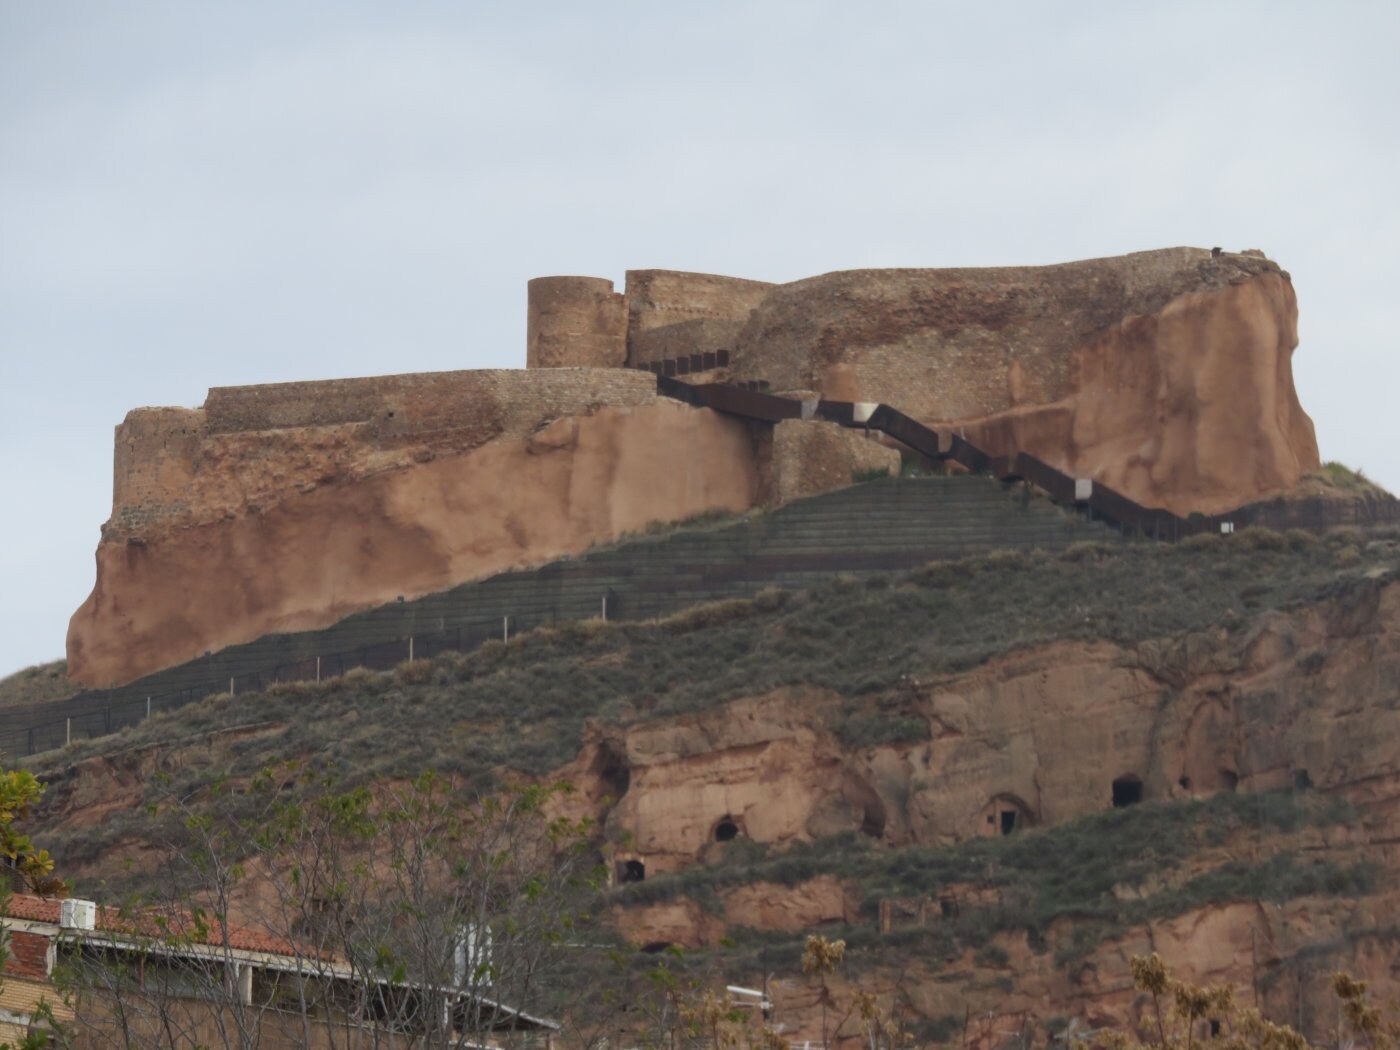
1343	477
523	705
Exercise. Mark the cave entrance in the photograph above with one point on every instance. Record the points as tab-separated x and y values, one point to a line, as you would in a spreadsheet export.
631	871
610	768
726	830
1127	791
1004	815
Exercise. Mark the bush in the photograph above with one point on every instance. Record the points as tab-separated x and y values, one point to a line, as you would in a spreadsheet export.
863	730
1259	538
415	672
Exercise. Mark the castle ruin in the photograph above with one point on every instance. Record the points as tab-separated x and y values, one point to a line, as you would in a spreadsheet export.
1164	374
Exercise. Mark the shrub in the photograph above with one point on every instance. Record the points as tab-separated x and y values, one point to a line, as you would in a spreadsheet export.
1086	550
415	672
1259	538
1300	539
1201	541
710	614
992	956
874	730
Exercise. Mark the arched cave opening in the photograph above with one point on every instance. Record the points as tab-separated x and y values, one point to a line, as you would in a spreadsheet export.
1005	815
1127	791
631	871
1301	780
872	821
1229	779
1185	783
726	830
610	768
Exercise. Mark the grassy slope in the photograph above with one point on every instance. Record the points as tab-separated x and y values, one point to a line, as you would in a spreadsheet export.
37	684
524	705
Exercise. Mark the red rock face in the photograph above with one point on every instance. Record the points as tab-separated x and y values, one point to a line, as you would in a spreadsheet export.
1191	408
1165	374
304	559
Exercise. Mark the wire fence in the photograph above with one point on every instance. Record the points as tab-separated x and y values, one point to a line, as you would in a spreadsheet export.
868	529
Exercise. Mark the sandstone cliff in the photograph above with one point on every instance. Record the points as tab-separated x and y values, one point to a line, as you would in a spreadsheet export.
293	557
1166	374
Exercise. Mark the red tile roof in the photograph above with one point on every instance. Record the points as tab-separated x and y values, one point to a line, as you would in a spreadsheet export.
163	923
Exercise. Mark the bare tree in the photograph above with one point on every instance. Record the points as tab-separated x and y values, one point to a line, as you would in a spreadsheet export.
294	913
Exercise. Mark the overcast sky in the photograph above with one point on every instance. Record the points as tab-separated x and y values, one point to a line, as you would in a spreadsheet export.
207	194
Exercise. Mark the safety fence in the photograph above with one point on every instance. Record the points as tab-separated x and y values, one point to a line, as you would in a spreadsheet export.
875	528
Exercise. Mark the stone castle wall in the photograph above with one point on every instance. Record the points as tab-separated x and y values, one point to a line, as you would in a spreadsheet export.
575	321
248	444
671	314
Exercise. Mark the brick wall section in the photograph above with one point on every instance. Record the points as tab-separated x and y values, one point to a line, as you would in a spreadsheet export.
422	402
675	314
259	443
575	321
29	955
806	458
153	456
705	335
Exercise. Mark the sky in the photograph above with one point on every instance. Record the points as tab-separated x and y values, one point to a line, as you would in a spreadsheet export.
219	193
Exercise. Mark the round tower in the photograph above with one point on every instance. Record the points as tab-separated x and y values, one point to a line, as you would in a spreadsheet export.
575	322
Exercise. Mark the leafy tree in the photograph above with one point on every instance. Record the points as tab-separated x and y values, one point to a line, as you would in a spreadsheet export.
30	866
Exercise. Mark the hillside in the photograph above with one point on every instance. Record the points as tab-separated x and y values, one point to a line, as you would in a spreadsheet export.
37	685
833	757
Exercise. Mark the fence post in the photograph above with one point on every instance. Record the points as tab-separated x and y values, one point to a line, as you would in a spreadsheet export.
230	685
318	668
505	628
148	707
605	608
410	648
67	731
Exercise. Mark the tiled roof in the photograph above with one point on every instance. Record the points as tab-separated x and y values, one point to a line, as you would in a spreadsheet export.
163	923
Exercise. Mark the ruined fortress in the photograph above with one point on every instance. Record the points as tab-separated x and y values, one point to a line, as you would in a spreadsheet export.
1164	374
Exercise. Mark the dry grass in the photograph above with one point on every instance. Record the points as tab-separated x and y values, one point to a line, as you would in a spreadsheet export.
37	685
547	685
